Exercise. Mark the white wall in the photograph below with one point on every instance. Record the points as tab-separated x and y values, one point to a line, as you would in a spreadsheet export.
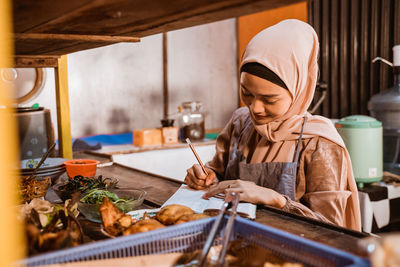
203	67
118	88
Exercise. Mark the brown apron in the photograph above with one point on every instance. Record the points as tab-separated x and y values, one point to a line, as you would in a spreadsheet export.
279	176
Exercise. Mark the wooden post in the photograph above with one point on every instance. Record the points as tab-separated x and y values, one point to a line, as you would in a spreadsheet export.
63	115
165	75
12	245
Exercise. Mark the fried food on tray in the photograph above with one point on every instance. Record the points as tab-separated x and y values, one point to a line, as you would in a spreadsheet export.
254	255
49	227
239	254
31	188
114	221
285	264
171	213
143	226
191	217
69	236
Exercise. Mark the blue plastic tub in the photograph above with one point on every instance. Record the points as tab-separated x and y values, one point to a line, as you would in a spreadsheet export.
191	236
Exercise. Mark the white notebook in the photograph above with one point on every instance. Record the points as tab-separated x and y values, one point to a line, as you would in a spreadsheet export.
192	199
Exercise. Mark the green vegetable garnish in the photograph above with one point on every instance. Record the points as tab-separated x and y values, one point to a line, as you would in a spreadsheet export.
95	196
83	184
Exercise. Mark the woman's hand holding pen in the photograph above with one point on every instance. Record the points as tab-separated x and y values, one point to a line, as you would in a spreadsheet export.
249	192
197	179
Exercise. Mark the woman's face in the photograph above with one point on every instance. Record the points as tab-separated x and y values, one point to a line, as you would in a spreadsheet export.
265	100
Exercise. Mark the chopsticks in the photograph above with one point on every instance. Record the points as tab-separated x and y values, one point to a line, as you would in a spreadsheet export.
44	157
196	155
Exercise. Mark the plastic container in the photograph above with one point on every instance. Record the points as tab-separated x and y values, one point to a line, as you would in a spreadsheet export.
363	138
92	213
84	167
191	236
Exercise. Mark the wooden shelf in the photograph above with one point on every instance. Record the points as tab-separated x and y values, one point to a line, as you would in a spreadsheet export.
50	27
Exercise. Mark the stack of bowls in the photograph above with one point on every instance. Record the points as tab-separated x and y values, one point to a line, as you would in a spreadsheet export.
51	167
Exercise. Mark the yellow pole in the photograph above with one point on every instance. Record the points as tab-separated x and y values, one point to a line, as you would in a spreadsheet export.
12	245
63	116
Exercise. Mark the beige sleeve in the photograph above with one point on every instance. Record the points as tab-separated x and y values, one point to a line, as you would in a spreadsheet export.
323	179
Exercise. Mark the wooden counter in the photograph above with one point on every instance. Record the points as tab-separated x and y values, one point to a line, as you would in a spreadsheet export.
159	190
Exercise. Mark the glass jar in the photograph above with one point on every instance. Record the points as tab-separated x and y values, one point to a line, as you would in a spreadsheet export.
192	121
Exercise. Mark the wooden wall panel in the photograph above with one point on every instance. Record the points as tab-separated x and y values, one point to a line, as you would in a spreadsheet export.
324	50
353	30
250	25
343	60
352	33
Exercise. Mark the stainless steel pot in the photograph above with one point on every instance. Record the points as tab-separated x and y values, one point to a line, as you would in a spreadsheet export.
35	131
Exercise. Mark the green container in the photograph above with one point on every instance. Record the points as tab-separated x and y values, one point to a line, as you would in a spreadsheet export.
363	138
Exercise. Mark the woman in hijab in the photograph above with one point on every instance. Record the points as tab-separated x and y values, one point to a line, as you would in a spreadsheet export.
273	152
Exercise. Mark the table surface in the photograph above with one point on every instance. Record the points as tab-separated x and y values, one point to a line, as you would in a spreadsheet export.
160	189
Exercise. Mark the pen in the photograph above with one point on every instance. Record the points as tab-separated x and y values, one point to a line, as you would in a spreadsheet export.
197	156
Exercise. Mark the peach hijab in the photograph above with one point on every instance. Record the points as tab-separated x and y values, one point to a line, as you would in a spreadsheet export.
290	49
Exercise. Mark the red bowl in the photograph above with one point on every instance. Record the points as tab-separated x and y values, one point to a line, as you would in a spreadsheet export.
84	167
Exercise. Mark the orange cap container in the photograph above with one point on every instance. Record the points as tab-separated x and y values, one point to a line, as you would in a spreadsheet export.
84	167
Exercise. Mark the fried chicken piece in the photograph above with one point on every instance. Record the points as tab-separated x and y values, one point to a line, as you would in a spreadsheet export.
171	213
143	226
191	217
125	221
113	219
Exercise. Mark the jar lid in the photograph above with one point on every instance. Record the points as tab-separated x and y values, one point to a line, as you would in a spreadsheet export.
358	121
192	105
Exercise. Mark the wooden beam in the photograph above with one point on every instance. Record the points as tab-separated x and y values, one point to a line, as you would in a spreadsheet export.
76	37
63	114
36	61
